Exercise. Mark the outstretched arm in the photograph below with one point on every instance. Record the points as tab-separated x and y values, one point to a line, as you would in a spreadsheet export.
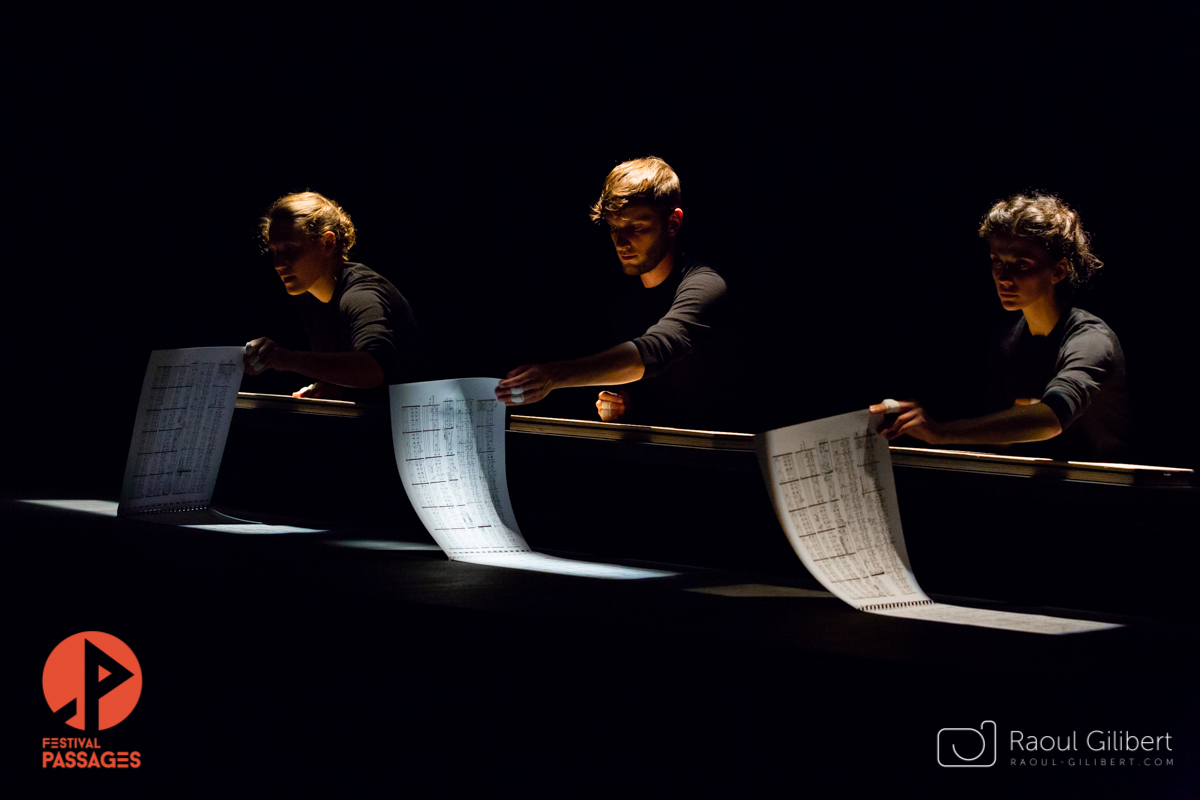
356	369
1022	423
529	383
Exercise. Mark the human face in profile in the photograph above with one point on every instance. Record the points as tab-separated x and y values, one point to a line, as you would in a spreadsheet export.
301	261
641	236
1025	274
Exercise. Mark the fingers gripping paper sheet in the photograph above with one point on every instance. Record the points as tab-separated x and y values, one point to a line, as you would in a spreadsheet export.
832	487
449	443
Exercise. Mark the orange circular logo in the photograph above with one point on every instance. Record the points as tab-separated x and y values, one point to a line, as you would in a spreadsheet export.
92	681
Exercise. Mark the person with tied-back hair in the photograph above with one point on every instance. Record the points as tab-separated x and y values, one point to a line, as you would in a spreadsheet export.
361	329
670	315
1058	372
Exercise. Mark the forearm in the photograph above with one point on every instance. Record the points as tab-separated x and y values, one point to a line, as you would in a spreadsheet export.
356	370
1021	423
530	383
612	367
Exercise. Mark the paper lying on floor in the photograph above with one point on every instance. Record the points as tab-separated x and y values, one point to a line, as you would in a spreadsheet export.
831	483
255	528
206	518
182	423
449	443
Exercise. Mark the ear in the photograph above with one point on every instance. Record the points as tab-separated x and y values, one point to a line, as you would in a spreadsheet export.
329	242
1061	270
675	221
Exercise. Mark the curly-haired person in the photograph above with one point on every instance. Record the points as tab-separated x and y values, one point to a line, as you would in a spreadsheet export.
1057	372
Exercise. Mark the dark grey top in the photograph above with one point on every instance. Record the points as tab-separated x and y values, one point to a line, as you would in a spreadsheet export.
692	295
677	328
366	313
1078	371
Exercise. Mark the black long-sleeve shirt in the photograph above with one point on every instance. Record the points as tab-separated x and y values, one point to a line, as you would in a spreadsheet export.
679	329
366	313
1078	372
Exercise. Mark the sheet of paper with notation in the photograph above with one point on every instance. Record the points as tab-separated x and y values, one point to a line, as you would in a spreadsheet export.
449	443
179	434
831	484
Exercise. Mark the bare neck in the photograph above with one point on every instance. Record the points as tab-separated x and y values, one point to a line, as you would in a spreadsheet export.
324	288
660	273
1042	316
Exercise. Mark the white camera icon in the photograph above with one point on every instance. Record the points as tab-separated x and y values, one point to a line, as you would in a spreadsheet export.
967	747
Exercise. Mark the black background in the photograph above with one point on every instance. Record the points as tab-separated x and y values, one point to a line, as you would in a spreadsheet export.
834	164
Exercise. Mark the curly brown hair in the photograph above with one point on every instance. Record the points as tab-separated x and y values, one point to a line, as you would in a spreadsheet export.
648	180
313	213
1051	223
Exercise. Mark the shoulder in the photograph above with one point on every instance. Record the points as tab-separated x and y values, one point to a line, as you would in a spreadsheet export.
1077	321
698	276
1086	334
1079	324
359	279
360	275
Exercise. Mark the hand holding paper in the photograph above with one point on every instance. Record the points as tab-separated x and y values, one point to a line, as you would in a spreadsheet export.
263	354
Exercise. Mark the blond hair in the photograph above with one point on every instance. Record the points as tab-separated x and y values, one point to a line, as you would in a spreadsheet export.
314	214
648	180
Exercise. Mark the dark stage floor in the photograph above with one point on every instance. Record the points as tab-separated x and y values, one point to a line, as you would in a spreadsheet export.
292	664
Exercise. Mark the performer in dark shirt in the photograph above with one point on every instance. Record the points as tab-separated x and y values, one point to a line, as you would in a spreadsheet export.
676	327
360	328
1057	371
678	302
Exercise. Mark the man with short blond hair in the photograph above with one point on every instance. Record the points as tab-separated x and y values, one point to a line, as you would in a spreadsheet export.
669	320
649	180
